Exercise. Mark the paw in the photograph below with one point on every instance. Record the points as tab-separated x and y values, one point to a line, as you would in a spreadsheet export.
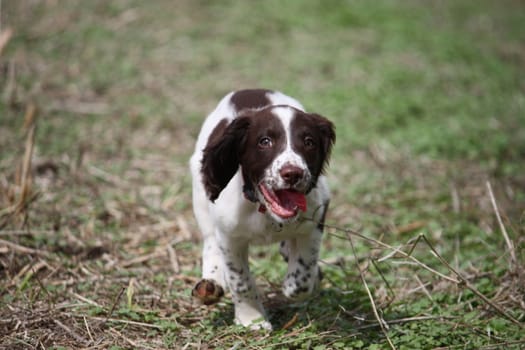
301	284
207	292
251	314
296	291
256	325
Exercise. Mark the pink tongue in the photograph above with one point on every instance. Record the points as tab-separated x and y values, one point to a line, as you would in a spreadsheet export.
291	199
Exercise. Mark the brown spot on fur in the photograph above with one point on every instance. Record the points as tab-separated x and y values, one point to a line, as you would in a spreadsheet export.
220	159
250	99
254	159
237	145
313	137
218	132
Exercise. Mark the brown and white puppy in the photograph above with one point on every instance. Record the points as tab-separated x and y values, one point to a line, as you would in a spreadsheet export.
257	179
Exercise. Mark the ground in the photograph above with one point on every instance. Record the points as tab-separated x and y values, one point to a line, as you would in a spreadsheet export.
99	109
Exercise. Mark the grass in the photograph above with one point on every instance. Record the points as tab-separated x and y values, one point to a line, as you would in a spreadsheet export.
99	248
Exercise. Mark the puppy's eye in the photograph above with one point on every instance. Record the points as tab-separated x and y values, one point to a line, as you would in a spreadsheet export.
265	142
309	142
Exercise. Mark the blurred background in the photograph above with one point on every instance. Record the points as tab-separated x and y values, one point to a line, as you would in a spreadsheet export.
101	101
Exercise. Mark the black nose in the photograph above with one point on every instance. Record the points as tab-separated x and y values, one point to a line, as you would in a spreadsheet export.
291	174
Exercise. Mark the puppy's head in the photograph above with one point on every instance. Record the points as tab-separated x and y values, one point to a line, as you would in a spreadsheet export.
281	151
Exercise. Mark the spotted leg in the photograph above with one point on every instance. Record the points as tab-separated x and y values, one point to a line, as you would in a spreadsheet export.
249	310
210	289
303	274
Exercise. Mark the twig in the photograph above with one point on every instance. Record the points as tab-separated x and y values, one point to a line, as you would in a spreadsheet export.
424	288
107	177
397	250
388	287
74	334
29	268
290	337
404	320
143	258
510	245
460	281
11	233
173	259
29	122
183	227
410	227
291	322
24	179
502	345
24	250
464	281
129	341
117	299
76	280
88	331
381	322
42	287
117	320
5	36
130	291
9	93
85	300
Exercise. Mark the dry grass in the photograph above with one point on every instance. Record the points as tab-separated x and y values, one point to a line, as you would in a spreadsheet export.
98	246
88	290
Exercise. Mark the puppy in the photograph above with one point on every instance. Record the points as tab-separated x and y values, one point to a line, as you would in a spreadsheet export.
257	174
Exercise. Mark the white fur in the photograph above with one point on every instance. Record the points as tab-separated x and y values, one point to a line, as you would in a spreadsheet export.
232	223
288	156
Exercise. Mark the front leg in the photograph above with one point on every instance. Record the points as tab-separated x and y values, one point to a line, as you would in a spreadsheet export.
303	274
210	289
249	310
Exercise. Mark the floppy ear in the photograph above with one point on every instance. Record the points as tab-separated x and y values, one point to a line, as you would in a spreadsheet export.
327	130
220	159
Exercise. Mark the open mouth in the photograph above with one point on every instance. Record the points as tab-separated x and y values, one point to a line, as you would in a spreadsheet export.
284	203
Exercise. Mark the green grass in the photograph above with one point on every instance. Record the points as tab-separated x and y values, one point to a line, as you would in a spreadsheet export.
429	104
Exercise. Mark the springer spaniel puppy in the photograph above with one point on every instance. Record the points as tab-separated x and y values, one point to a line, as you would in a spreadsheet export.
257	179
